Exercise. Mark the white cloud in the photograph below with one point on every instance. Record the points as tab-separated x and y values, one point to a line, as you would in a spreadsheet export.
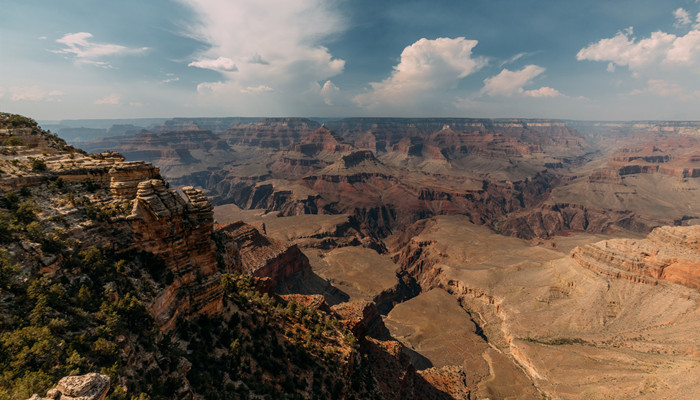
35	93
112	99
329	92
220	64
513	59
682	17
658	50
544	91
509	83
87	52
135	104
257	89
170	77
685	50
273	43
427	67
208	87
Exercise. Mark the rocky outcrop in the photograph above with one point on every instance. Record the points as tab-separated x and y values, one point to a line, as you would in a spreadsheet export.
107	168
362	319
668	253
178	229
261	256
319	141
360	162
125	177
92	386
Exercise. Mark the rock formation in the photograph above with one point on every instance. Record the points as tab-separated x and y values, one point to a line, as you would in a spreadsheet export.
179	231
362	319
668	253
674	156
261	256
91	386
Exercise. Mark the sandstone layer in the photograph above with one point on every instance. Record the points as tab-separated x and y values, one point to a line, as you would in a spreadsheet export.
668	253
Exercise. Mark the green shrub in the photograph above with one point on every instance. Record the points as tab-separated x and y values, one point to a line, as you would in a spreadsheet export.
10	200
38	165
25	191
8	269
5	229
26	212
13	141
17	121
34	231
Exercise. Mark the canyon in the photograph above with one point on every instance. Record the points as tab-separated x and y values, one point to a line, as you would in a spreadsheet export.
469	258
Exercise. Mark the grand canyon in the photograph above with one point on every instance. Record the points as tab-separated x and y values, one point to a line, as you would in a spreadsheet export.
449	258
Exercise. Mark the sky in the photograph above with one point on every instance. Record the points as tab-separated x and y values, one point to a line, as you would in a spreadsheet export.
586	60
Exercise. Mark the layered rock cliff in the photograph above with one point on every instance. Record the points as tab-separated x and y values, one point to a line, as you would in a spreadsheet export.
667	253
175	228
179	230
263	257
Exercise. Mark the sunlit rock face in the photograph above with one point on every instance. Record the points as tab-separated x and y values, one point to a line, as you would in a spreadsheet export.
178	229
667	253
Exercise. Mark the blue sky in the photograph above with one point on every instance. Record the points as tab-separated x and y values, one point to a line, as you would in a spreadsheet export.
607	60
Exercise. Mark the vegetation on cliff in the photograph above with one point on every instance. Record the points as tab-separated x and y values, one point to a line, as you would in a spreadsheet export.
278	349
77	295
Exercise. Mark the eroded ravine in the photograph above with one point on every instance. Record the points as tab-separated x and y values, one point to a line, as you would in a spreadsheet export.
551	307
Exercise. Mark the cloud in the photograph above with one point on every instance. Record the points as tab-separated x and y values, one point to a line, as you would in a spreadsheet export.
514	59
79	46
663	88
660	49
220	64
257	89
35	93
666	89
329	92
427	68
112	99
272	43
544	91
511	83
170	77
682	17
135	104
